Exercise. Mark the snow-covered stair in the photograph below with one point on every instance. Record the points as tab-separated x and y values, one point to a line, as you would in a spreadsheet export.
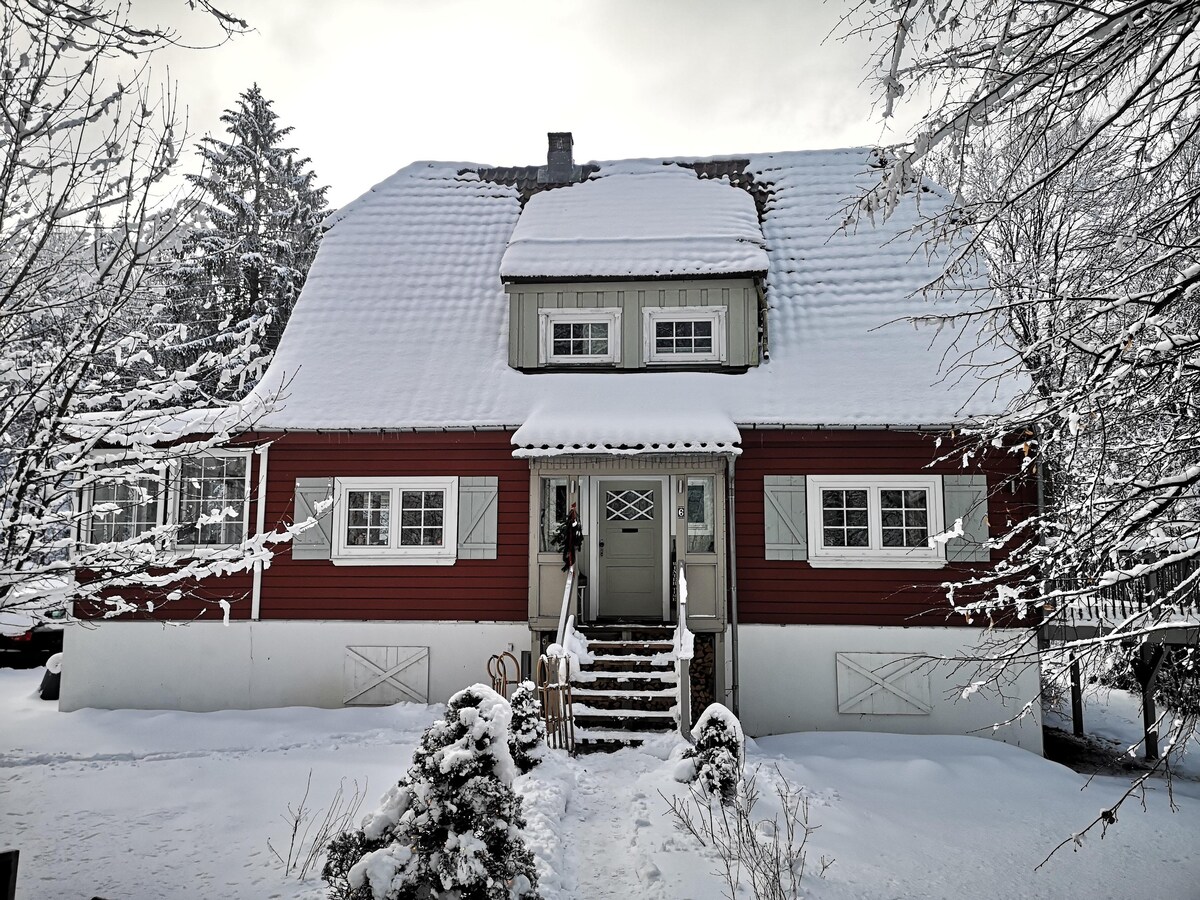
628	691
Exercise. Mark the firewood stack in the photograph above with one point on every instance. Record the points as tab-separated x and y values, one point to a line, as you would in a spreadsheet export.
703	672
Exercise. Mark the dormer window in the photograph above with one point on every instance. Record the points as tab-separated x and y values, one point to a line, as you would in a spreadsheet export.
579	336
684	335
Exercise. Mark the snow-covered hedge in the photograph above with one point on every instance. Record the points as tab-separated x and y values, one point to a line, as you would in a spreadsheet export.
718	756
452	826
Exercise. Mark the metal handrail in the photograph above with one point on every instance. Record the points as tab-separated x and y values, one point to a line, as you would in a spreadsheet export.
683	647
563	612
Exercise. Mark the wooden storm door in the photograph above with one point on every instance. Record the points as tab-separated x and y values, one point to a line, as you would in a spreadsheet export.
630	546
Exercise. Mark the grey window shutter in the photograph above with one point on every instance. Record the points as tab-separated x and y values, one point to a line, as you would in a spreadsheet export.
785	517
966	498
477	502
314	543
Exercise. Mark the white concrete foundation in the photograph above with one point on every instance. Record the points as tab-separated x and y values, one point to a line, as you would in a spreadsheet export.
256	665
789	681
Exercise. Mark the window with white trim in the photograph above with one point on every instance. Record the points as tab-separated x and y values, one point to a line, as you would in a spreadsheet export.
579	336
212	499
682	334
206	497
875	521
395	521
121	508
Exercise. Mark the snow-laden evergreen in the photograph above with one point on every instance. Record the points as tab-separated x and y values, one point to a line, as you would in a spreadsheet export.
527	733
718	757
261	220
452	824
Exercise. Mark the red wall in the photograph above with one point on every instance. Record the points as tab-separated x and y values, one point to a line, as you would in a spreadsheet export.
497	590
473	589
786	592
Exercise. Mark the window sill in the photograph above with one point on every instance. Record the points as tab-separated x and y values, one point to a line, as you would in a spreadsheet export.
874	562
393	560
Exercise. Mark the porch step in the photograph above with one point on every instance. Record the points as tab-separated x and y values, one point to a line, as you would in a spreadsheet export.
606	740
652	701
629	648
628	690
636	683
630	632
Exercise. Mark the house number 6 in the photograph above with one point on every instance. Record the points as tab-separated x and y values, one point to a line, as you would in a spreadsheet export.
680	512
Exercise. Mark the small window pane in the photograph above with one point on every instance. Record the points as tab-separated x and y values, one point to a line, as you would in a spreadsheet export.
844	518
579	338
553	510
368	518
421	525
212	494
905	522
122	510
683	337
700	519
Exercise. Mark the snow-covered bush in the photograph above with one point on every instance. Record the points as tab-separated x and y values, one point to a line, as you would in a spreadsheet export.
451	827
527	732
717	757
769	851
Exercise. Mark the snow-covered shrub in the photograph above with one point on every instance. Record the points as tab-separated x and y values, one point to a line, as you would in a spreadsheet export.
527	732
341	854
769	851
718	755
451	827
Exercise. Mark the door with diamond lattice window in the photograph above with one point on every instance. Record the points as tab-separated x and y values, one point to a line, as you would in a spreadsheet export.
630	532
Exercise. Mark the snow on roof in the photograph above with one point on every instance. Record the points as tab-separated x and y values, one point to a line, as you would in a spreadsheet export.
403	322
647	220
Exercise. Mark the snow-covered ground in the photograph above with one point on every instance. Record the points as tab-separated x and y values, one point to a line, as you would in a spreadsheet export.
137	804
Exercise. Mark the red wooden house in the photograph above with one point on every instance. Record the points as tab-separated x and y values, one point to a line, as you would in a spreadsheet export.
697	358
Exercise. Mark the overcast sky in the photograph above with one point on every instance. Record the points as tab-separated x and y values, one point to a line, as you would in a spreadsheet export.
371	85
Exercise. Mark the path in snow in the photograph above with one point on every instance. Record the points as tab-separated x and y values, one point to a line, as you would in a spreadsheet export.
607	821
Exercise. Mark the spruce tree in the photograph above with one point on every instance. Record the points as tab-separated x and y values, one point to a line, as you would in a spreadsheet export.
452	826
247	258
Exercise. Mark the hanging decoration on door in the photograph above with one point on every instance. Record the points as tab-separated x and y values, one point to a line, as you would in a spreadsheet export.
568	538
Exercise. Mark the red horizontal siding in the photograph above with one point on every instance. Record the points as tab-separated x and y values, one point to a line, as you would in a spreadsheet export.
786	592
473	589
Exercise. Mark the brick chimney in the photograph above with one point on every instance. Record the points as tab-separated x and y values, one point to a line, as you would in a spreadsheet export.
560	164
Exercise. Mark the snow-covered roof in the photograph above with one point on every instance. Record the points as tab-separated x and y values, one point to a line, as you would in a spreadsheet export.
639	221
403	322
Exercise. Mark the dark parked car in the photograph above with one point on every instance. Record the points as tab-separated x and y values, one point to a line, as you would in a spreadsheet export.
31	631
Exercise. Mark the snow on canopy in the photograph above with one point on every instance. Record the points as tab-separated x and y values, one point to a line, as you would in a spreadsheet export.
676	421
650	221
403	322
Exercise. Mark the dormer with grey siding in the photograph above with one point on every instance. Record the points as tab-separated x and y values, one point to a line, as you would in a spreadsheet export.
710	324
647	267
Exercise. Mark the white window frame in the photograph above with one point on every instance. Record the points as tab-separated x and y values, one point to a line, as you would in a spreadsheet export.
87	500
168	474
653	314
176	497
394	554
547	318
875	555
